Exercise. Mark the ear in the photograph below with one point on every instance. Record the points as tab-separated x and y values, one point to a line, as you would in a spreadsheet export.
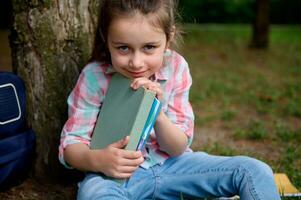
171	37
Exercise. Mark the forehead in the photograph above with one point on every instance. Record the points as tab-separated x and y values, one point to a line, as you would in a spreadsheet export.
134	25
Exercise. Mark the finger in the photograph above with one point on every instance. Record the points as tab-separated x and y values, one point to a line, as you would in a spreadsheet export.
122	175
133	162
156	88
152	85
139	82
135	80
121	143
131	154
128	169
148	85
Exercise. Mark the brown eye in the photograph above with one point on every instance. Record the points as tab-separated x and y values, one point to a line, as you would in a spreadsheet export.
123	49
149	47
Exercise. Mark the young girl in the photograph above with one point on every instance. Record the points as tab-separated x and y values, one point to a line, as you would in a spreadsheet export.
134	39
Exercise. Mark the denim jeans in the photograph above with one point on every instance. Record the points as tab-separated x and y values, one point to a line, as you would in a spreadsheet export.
191	175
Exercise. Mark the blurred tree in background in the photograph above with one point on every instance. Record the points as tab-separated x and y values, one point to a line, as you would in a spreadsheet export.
285	11
259	13
238	11
217	11
260	38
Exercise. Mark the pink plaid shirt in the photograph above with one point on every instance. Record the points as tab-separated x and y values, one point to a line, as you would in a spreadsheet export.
88	94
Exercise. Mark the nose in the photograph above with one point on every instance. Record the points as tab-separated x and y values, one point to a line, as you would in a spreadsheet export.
136	61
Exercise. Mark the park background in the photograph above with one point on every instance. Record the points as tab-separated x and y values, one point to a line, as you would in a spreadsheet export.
247	99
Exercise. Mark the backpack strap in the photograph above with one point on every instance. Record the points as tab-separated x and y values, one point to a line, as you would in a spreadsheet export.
12	104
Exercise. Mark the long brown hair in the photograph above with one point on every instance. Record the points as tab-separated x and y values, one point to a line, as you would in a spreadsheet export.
164	12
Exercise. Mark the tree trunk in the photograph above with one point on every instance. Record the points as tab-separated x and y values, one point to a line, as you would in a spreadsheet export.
261	24
50	41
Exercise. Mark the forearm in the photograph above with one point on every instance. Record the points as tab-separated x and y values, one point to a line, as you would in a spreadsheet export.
171	139
79	156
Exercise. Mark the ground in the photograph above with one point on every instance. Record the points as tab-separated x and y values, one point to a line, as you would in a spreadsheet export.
31	189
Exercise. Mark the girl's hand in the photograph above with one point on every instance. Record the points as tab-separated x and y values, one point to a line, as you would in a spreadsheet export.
148	84
117	162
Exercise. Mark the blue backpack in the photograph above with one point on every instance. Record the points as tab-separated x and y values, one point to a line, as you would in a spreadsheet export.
17	141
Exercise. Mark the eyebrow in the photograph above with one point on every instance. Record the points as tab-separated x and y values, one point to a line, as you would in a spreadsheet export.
147	43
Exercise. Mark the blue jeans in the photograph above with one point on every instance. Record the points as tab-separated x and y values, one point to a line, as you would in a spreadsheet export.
191	175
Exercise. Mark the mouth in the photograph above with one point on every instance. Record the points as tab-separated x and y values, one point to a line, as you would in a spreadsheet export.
137	74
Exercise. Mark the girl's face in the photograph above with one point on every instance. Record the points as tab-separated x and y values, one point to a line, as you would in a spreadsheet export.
136	46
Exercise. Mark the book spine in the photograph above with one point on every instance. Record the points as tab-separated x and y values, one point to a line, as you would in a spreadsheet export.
155	110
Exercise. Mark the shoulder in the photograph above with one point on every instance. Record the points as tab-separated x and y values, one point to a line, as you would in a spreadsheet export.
174	55
96	68
94	75
174	63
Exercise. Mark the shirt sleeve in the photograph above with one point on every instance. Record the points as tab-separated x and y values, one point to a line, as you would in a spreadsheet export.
83	107
179	108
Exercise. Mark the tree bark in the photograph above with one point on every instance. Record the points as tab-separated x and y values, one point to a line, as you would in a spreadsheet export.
51	40
260	37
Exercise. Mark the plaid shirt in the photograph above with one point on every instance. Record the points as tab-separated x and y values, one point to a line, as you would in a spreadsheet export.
88	94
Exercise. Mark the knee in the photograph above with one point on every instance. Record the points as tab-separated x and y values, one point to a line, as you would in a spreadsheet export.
97	188
88	187
255	167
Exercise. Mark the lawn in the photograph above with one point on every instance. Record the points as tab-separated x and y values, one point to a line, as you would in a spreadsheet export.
246	101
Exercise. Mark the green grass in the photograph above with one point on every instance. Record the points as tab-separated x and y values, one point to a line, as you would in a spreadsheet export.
252	96
254	131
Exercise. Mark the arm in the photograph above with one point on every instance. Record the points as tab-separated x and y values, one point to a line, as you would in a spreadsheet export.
172	139
113	161
175	125
84	104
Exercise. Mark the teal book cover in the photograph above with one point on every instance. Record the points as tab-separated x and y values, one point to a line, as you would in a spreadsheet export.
156	107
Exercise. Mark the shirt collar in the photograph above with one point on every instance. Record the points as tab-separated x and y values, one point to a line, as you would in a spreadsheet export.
162	74
110	69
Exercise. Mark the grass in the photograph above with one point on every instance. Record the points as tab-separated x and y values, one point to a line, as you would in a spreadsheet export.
249	100
254	131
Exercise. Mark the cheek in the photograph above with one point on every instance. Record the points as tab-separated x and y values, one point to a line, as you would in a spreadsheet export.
118	60
156	62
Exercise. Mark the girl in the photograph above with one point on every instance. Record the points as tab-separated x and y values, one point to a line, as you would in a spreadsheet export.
134	39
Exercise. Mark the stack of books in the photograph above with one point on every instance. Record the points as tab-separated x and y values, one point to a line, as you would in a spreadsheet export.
125	112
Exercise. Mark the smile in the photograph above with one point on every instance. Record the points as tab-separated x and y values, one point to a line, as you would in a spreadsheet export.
137	74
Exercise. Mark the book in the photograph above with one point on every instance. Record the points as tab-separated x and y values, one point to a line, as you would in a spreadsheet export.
125	112
156	107
285	186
